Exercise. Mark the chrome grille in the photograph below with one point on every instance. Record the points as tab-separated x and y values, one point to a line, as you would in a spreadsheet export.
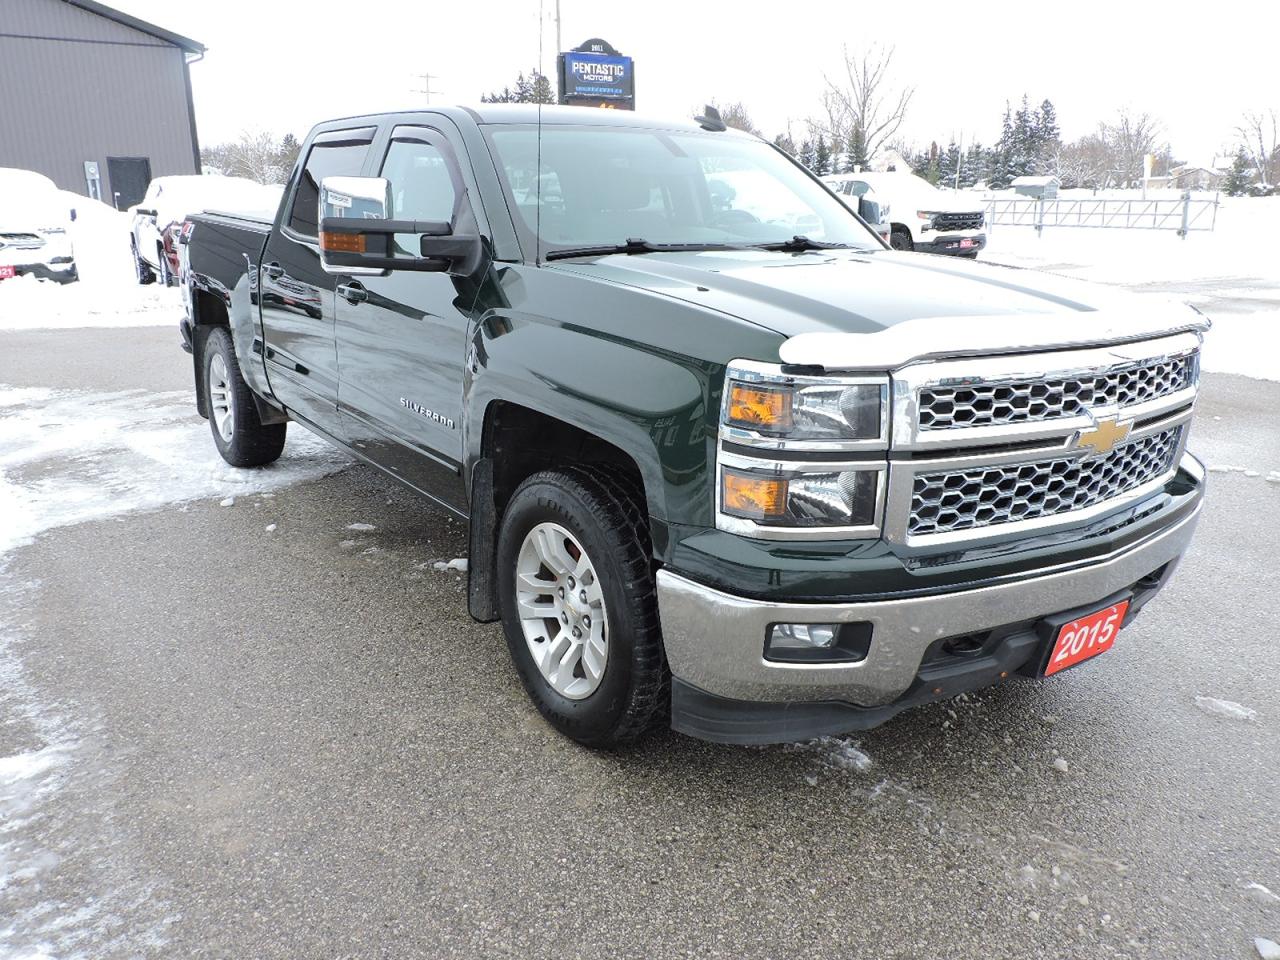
1029	401
949	501
21	241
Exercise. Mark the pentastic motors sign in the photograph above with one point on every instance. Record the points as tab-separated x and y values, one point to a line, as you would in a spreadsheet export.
595	74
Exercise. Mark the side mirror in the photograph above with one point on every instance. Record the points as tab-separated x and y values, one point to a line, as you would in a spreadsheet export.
357	238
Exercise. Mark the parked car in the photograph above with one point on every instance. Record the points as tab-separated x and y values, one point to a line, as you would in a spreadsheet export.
761	485
923	218
35	224
863	201
156	221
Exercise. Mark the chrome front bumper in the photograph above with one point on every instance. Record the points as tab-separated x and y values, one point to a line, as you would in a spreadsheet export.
715	641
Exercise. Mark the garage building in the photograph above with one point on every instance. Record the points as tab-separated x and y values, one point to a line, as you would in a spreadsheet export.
96	100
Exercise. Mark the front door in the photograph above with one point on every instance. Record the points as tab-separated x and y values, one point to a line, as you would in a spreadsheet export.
297	295
128	178
402	336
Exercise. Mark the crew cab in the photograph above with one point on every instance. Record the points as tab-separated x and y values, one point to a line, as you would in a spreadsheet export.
924	218
760	484
35	225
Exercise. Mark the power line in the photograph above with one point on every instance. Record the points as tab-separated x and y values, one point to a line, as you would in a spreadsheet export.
426	90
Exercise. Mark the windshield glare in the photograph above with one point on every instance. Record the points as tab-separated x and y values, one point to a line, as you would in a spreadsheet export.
602	186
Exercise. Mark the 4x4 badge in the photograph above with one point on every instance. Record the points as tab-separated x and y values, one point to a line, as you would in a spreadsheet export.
1104	436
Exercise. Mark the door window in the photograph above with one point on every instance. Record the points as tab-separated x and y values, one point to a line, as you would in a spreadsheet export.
333	158
422	186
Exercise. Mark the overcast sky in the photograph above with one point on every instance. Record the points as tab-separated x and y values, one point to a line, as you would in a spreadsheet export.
282	66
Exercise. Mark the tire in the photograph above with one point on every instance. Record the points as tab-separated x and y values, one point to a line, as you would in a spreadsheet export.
143	272
900	239
599	512
241	437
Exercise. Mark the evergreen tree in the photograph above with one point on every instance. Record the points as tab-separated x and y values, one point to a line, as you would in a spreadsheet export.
532	89
821	157
972	165
949	164
855	157
807	156
1236	182
784	143
288	153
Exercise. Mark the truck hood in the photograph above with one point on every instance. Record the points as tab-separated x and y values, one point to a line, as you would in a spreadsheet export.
890	307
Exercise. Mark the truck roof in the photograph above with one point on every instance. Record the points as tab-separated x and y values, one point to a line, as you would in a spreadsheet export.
552	114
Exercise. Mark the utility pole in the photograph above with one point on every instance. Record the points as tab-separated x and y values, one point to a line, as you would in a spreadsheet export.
559	45
426	90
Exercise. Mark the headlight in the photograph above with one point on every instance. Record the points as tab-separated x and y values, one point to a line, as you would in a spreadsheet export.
926	216
798	496
765	490
764	407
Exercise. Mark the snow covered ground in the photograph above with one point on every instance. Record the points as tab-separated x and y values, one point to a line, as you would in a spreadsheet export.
1232	274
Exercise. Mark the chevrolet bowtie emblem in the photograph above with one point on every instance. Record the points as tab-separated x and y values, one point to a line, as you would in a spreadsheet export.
1103	437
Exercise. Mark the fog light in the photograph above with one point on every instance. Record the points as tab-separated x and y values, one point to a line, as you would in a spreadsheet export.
802	636
818	642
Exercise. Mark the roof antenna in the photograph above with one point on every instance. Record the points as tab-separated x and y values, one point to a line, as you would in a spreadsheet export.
710	119
537	170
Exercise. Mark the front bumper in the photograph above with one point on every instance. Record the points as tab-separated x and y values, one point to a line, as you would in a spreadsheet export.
725	690
954	244
60	270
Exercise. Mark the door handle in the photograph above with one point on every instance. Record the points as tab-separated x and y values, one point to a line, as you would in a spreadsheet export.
273	271
353	292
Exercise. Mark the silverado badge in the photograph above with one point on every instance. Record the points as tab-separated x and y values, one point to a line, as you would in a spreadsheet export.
1106	433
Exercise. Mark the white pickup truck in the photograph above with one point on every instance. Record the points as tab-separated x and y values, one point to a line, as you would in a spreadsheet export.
922	217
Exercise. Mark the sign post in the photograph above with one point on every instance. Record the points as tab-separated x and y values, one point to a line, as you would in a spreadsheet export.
594	74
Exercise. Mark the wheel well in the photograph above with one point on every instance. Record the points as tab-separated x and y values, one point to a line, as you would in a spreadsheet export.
517	443
509	429
207	312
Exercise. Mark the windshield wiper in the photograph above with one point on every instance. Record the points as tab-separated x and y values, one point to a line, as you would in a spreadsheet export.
801	243
637	245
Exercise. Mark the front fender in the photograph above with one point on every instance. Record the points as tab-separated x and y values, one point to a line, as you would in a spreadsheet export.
651	405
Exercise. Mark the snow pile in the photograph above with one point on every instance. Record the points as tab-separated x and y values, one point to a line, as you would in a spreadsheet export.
1267	949
1226	708
837	753
108	293
67	456
457	563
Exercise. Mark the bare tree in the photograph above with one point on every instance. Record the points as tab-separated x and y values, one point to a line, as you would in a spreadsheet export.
1129	139
1085	163
862	109
256	155
1259	133
735	115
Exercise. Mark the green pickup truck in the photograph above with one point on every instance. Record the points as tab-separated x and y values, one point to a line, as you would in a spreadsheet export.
728	461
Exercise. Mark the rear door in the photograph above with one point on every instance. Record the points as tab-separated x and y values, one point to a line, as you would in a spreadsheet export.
129	178
402	336
295	292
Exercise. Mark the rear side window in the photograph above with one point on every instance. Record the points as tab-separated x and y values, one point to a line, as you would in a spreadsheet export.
330	156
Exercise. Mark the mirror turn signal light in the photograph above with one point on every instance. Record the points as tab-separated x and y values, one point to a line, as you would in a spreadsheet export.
342	242
753	497
757	406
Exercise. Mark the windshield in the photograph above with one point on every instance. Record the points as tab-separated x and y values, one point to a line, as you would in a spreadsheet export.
603	186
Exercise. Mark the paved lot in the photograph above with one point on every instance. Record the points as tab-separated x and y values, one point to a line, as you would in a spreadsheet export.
228	742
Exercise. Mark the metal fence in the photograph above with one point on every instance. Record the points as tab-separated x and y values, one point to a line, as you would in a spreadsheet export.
1182	215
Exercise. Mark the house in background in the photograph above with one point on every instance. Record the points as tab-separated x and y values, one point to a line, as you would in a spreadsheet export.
96	100
1040	188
